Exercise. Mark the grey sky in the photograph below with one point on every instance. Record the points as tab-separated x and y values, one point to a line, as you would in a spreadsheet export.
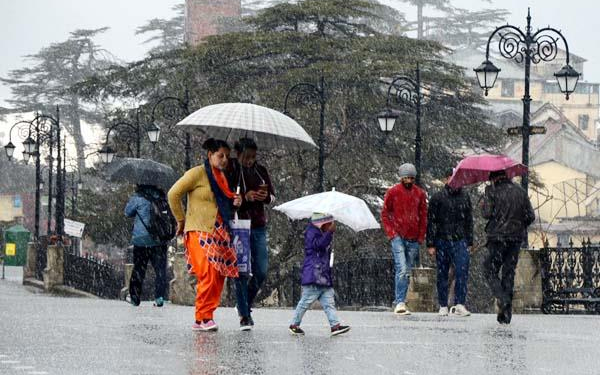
28	25
575	18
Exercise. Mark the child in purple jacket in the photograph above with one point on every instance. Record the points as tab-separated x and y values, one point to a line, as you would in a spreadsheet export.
317	282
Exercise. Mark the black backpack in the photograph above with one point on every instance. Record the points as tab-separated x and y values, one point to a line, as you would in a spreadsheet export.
162	222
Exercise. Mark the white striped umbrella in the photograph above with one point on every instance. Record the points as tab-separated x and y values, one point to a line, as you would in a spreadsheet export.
231	121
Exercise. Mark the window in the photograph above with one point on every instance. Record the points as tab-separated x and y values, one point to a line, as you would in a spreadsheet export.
584	122
551	87
17	203
563	238
508	88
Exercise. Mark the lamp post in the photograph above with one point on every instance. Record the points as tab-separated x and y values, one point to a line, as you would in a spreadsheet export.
527	47
76	187
309	94
107	153
407	90
43	134
47	169
184	106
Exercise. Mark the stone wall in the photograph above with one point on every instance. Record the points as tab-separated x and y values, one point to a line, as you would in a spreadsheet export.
182	289
29	268
55	269
528	282
422	292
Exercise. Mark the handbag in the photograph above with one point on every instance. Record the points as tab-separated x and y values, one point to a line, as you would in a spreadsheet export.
240	234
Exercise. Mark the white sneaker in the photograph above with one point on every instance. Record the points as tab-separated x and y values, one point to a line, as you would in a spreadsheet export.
401	309
460	310
443	311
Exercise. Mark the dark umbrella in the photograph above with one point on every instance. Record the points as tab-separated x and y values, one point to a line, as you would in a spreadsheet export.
141	172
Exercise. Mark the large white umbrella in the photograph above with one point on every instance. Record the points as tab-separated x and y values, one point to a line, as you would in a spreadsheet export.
346	209
231	121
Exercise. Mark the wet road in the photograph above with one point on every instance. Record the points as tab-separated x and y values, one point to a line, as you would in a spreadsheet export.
41	334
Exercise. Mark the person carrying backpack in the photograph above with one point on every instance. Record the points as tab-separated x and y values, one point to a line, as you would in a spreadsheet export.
153	227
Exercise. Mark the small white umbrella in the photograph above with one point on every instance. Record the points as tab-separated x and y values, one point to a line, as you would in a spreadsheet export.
346	209
231	121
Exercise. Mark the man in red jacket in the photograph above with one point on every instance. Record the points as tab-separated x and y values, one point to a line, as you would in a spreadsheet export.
404	218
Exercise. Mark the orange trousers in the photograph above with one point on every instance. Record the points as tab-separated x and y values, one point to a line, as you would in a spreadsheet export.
209	281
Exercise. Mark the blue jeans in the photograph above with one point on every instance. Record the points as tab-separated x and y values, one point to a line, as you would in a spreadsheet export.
405	253
260	262
457	253
311	293
247	288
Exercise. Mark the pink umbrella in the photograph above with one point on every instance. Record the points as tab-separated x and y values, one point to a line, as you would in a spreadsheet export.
477	168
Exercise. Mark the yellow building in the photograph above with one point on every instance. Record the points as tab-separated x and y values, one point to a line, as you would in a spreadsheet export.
566	167
17	193
11	207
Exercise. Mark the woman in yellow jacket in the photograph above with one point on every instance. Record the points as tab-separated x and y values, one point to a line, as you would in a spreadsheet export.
205	228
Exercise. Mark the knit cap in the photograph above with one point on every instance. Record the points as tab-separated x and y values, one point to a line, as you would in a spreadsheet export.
407	170
318	219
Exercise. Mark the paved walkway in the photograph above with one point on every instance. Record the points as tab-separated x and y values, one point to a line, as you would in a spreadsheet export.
42	334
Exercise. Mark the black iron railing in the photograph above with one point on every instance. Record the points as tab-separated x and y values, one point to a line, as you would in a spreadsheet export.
571	278
356	282
93	276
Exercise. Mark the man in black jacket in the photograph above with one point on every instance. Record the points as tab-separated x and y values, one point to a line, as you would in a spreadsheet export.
509	213
449	238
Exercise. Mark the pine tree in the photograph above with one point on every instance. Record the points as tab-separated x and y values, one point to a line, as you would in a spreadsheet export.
55	69
169	33
443	5
462	28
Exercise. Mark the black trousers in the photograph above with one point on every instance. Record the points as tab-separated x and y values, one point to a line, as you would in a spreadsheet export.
157	255
499	268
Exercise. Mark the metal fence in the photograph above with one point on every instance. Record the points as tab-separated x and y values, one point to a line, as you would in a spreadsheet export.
359	282
93	276
104	279
571	278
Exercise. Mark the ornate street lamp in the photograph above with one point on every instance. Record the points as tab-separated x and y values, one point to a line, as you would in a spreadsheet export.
79	184
106	154
153	133
406	90
183	106
44	134
10	150
29	145
309	95
527	47
567	79
487	73
387	120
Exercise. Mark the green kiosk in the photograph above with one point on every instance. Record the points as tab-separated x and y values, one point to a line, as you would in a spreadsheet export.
15	245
